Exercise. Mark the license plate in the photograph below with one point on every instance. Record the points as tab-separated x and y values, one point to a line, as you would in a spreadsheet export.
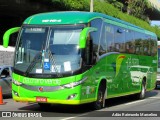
41	99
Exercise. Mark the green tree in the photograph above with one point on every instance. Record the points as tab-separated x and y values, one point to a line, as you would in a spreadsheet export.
103	6
137	8
116	4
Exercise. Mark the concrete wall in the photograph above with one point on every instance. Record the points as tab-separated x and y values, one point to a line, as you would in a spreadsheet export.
6	58
6	55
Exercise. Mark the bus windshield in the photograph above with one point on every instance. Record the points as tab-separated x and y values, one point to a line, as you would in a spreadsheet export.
48	49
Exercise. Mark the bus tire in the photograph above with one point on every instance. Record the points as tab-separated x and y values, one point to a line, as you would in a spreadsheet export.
142	94
100	102
156	86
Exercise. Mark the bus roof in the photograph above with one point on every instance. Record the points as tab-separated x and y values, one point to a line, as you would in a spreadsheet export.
76	17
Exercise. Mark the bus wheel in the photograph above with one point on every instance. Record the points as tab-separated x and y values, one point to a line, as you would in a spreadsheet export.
156	86
44	105
100	102
142	94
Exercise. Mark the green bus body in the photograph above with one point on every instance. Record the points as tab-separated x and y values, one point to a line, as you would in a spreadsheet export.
113	56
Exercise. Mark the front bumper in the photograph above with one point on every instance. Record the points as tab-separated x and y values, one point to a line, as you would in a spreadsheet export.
21	94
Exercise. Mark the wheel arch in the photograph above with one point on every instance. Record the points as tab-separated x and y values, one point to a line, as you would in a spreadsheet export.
102	83
144	80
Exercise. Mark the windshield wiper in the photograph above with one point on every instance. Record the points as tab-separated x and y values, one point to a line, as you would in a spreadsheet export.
54	63
33	63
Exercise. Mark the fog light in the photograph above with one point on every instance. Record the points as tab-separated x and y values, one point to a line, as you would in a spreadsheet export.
15	93
71	96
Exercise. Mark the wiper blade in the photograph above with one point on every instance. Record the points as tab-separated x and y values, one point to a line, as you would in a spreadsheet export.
54	63
33	63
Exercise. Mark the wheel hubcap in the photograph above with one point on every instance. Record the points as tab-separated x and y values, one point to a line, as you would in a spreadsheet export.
143	91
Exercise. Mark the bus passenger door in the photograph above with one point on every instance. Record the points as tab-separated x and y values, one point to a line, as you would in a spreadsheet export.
136	76
114	76
110	75
150	77
127	82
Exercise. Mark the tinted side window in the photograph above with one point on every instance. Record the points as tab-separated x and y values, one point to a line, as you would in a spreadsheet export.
109	36
130	42
119	39
139	43
153	46
147	45
103	42
95	36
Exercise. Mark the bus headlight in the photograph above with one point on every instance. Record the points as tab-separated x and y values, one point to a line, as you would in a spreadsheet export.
70	97
16	93
16	82
73	84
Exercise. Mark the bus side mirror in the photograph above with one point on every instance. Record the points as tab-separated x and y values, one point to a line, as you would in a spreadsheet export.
83	36
7	34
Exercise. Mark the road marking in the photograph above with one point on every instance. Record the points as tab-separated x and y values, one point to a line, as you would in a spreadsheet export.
102	110
134	102
154	97
130	103
68	118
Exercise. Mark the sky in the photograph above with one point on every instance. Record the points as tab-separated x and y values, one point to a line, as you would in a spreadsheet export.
155	23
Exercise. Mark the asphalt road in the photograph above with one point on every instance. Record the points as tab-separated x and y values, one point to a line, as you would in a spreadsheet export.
114	109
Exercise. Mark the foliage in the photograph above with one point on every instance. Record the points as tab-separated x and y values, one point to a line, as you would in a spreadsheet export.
137	8
103	7
116	4
110	10
79	5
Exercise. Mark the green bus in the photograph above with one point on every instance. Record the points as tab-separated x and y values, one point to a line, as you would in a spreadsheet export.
158	69
81	57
